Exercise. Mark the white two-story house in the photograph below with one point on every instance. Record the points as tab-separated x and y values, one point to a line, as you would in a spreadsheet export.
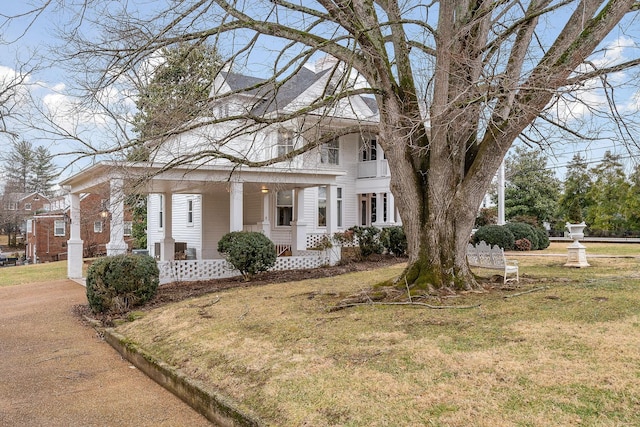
335	185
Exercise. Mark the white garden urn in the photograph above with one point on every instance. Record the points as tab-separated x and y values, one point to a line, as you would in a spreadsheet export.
577	256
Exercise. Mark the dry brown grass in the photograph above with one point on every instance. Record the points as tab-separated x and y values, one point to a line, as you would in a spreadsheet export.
563	355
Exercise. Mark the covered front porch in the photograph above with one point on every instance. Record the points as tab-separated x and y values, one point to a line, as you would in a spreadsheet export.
227	199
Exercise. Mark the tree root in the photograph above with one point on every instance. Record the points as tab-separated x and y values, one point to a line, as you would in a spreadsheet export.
419	304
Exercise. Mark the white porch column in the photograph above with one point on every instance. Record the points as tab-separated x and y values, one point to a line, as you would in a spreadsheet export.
391	208
167	247
74	244
116	245
332	209
379	209
265	225
298	225
236	220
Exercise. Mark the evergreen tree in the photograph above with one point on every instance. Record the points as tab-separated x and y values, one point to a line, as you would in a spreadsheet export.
29	169
532	190
574	202
632	203
608	193
44	171
177	91
18	164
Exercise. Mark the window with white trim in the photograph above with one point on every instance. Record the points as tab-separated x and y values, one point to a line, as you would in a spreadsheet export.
284	208
322	206
285	142
161	212
190	212
127	228
27	206
59	227
369	150
339	206
97	226
330	152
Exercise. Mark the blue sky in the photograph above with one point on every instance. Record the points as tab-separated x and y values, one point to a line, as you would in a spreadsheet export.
51	85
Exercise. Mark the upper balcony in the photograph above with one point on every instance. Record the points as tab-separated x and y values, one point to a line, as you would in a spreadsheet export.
373	169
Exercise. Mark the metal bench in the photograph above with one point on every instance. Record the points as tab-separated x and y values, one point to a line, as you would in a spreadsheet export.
483	255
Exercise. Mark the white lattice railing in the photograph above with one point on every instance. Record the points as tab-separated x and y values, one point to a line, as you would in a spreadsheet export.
192	270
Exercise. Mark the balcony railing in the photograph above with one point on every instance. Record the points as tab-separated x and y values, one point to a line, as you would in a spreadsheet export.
373	169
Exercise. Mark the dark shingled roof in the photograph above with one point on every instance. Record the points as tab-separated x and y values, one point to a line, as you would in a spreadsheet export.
292	87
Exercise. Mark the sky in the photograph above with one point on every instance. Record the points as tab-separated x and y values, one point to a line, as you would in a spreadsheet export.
51	86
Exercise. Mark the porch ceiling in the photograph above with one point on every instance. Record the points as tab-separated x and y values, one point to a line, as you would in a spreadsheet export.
142	178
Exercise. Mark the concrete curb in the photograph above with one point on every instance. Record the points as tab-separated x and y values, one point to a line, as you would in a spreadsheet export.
216	408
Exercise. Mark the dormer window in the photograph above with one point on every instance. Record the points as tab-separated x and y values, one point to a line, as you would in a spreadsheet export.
285	142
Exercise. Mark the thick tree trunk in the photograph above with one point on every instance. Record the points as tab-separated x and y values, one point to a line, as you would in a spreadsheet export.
438	200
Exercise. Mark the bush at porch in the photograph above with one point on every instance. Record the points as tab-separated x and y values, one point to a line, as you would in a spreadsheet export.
250	252
118	283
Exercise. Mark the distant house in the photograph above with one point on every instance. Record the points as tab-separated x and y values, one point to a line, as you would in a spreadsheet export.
48	231
16	208
333	186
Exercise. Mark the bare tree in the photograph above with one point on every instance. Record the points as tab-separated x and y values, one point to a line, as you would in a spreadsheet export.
456	83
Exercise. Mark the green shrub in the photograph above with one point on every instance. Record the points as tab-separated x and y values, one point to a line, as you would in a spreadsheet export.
394	240
495	235
522	230
250	252
368	240
543	238
115	284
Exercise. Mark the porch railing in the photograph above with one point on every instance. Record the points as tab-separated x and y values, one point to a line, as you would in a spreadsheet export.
373	169
208	269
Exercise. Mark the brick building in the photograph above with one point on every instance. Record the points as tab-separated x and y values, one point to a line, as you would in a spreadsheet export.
48	232
16	208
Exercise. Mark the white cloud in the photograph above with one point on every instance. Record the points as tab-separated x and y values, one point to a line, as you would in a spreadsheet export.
591	96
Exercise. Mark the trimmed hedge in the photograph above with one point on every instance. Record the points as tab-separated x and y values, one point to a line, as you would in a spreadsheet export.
368	240
506	236
115	284
495	235
543	238
250	252
521	230
394	240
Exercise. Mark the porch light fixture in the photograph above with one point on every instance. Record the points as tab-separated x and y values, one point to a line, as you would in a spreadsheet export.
264	190
104	214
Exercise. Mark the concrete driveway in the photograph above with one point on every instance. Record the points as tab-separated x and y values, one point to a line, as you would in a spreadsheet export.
54	371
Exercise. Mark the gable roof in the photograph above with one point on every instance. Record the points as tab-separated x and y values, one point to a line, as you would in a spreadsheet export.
274	96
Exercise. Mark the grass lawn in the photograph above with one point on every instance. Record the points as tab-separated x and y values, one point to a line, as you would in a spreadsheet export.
31	273
565	354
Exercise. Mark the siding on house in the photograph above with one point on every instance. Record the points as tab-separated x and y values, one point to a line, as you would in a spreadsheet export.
215	223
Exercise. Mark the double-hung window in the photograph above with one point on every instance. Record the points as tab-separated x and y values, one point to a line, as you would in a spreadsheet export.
368	150
284	207
322	206
330	152
59	228
161	212
339	206
190	212
285	142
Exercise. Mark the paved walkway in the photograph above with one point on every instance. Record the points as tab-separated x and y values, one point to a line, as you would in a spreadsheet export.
54	371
